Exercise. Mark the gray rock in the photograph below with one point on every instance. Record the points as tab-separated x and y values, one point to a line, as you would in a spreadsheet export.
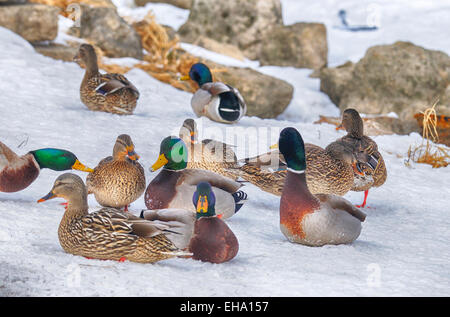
302	45
34	22
106	29
401	78
184	4
242	23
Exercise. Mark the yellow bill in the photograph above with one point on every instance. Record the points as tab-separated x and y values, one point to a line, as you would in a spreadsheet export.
184	78
80	167
162	160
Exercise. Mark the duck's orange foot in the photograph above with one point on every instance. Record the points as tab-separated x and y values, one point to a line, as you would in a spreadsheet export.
125	209
363	205
64	204
122	259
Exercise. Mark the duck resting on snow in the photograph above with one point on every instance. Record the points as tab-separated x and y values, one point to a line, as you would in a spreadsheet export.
18	172
313	220
215	100
104	92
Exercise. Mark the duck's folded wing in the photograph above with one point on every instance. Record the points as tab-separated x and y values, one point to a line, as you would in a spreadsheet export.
113	83
273	160
221	150
195	176
337	202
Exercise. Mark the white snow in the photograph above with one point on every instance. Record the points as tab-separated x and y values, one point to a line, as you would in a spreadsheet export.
403	248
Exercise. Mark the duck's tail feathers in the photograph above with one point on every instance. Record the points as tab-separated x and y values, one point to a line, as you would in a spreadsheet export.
239	198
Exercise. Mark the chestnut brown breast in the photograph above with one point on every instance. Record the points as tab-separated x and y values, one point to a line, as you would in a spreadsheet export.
17	177
161	190
213	241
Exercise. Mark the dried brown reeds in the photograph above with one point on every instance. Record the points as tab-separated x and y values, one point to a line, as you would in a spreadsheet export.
429	152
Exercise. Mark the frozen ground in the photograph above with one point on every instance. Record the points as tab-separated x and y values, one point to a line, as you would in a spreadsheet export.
404	245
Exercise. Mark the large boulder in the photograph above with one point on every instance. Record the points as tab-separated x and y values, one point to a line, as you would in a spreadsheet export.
34	22
184	4
243	23
105	28
401	78
302	45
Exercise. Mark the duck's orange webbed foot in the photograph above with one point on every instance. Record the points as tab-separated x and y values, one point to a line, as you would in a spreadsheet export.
363	205
125	209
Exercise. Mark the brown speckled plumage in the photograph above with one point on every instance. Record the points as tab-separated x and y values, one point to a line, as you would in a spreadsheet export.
326	172
207	154
117	181
365	149
105	92
107	234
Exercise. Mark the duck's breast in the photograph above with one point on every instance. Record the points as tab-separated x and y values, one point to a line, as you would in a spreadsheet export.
18	175
327	226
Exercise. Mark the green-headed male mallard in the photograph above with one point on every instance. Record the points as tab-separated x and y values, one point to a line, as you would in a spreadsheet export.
203	233
118	180
105	92
371	162
18	172
174	186
215	100
308	219
107	234
207	154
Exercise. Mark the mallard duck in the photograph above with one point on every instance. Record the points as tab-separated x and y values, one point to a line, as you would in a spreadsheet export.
309	219
174	186
18	172
370	161
330	171
215	100
104	92
204	234
107	234
208	154
118	180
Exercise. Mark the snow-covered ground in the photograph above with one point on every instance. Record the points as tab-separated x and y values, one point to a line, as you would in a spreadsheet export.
404	245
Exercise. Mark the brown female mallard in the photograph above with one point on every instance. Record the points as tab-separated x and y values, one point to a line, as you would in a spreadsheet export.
107	234
330	171
370	161
118	180
207	154
105	92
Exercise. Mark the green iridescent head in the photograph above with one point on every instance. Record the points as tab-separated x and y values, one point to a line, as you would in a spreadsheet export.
199	73
58	160
173	155
293	149
204	200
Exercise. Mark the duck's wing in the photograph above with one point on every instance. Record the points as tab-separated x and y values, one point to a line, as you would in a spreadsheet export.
337	202
112	83
220	150
195	176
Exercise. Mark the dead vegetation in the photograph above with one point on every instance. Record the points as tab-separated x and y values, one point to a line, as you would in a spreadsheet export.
428	152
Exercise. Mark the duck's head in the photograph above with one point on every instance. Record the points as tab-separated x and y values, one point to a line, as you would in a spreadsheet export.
204	200
86	54
188	131
352	122
292	147
124	148
58	160
199	73
69	187
173	155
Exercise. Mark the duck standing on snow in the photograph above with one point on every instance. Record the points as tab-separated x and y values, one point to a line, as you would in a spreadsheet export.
105	92
215	100
208	154
107	234
18	172
204	233
118	180
175	185
371	163
308	219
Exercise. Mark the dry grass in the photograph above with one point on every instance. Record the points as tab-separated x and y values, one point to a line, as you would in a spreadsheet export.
428	152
